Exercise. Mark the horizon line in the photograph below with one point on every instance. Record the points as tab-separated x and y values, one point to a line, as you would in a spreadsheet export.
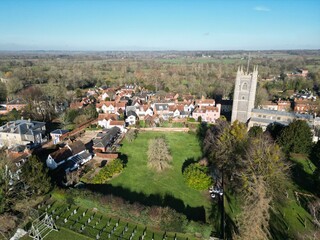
169	50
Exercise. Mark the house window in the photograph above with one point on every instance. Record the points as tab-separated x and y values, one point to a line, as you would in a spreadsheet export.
242	97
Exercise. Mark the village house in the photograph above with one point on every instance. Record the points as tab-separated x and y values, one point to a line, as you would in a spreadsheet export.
75	154
76	105
142	96
22	132
109	123
56	135
178	111
143	111
106	139
277	106
161	108
3	110
106	107
131	118
17	104
207	114
203	102
269	105
173	97
105	96
302	105
120	106
298	73
284	105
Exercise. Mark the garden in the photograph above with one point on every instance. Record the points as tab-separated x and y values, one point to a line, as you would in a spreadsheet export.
137	179
76	222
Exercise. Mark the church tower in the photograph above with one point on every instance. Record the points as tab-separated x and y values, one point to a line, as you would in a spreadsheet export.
244	95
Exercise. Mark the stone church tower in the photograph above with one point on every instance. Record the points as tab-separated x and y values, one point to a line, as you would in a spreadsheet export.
244	95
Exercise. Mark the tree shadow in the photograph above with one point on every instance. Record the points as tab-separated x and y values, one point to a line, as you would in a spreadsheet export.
192	213
89	146
214	216
201	133
187	163
230	227
278	227
301	178
123	158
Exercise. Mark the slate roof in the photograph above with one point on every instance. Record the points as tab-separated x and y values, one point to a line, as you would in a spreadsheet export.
77	147
161	106
61	154
107	138
132	113
22	127
17	102
59	131
283	113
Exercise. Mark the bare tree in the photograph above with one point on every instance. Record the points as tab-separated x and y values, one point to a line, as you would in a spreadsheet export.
131	135
254	219
7	223
159	157
314	208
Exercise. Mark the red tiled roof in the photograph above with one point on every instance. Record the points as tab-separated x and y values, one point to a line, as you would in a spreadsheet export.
116	123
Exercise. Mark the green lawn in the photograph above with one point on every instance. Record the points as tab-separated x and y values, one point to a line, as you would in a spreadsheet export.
138	178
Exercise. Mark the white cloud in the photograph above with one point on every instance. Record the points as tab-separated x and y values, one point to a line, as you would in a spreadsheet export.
262	9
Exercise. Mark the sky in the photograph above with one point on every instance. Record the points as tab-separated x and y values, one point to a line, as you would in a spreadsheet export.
102	25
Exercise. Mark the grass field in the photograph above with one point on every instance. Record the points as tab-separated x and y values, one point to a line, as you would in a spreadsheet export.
138	178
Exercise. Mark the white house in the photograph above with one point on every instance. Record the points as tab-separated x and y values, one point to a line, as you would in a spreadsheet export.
75	152
111	123
132	117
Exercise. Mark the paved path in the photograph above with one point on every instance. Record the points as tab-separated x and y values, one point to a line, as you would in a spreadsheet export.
163	129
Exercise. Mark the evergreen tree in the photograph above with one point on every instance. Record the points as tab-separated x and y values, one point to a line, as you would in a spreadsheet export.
296	138
35	175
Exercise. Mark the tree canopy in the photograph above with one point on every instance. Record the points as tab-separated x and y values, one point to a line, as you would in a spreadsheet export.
35	175
159	157
197	176
296	137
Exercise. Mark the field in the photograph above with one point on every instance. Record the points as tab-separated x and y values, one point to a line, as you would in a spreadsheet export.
63	233
76	222
170	185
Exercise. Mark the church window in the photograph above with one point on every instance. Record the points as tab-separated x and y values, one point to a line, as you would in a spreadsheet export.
245	86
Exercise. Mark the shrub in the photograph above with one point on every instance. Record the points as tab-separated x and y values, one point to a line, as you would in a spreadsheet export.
131	135
196	177
107	172
197	228
172	220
